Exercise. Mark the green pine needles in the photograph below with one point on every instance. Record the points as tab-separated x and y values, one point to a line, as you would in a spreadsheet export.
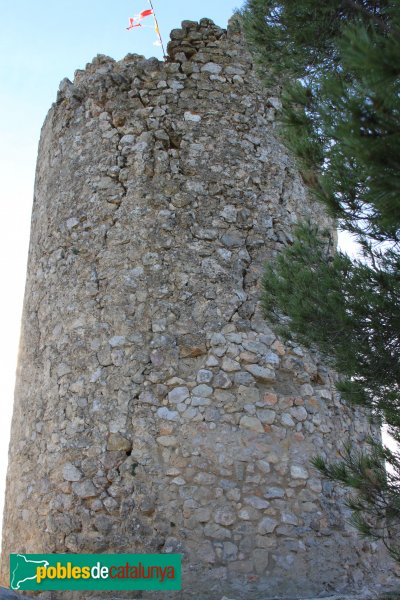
338	63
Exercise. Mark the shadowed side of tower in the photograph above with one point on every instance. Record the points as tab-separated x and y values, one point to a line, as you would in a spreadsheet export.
155	410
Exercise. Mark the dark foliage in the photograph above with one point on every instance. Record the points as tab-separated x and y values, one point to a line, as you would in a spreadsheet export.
339	66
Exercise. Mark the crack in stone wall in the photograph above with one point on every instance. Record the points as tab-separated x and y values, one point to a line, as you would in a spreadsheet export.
155	410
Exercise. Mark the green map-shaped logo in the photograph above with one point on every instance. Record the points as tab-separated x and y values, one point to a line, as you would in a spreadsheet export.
24	569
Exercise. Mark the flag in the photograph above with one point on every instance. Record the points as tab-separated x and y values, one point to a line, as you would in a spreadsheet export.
134	21
132	24
145	13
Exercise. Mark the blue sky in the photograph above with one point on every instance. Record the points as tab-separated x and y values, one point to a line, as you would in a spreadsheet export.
41	43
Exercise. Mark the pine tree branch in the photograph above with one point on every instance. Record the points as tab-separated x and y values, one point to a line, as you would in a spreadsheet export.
369	16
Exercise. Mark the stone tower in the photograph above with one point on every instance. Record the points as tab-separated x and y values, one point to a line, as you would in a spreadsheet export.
155	410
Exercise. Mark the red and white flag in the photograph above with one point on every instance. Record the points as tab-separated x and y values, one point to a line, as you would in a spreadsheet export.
135	21
145	13
132	23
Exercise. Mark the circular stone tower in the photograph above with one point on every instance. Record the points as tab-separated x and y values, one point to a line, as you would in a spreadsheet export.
155	410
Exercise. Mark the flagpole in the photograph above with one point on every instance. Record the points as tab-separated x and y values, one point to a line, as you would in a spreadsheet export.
157	28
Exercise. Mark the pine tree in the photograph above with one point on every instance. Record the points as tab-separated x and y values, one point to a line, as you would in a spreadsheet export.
339	62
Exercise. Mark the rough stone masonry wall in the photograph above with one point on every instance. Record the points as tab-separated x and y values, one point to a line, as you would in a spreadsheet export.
155	410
